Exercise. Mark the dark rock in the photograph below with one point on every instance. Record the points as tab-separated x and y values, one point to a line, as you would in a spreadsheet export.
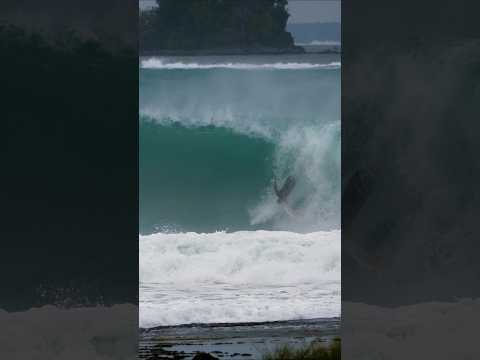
204	356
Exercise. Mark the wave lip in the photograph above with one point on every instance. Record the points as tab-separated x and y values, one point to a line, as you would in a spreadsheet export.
155	63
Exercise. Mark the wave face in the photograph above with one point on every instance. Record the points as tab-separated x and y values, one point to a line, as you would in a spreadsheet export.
212	138
238	277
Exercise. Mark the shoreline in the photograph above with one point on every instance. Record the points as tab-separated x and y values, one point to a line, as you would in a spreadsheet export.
234	340
294	322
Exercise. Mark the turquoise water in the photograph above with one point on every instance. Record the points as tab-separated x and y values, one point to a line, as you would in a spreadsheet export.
215	131
214	244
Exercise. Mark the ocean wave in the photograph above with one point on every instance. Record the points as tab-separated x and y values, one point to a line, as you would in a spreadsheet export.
321	43
219	178
155	63
238	277
211	143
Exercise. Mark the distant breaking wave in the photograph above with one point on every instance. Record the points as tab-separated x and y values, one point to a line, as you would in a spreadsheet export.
321	42
154	63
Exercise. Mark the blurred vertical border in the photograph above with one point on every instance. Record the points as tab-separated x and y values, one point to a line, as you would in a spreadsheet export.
69	187
410	175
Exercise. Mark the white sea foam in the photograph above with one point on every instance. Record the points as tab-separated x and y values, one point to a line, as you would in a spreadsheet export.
321	43
156	63
241	276
49	332
244	257
312	152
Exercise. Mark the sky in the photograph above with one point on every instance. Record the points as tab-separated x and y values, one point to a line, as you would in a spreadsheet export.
301	11
305	11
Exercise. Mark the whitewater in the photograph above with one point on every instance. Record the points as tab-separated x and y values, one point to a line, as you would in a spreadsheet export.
215	246
238	277
154	63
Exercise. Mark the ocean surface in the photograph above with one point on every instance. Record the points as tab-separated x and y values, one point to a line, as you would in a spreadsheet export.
215	246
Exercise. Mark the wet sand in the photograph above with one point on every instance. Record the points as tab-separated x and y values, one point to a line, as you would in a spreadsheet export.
237	341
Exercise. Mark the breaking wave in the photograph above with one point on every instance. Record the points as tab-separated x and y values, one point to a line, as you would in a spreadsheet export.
155	63
212	141
215	246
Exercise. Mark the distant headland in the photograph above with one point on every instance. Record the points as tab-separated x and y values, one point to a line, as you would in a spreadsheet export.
216	27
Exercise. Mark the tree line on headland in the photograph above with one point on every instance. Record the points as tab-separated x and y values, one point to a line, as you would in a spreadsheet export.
215	24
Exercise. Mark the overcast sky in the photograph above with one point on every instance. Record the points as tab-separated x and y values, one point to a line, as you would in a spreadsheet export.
304	11
301	11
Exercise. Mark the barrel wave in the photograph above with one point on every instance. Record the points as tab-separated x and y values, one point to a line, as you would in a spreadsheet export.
215	245
212	140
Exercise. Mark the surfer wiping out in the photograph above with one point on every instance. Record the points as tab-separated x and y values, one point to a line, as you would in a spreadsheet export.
283	193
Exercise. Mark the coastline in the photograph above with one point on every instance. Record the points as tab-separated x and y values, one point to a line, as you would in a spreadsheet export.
232	340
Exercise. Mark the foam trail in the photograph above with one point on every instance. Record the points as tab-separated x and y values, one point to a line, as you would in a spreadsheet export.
236	277
155	63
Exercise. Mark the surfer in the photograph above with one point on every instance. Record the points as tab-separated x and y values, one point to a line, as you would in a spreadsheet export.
286	189
283	193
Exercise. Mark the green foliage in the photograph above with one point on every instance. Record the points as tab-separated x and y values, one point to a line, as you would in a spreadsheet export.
314	351
214	24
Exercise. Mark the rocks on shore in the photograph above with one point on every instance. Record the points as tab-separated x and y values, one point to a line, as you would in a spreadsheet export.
204	356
